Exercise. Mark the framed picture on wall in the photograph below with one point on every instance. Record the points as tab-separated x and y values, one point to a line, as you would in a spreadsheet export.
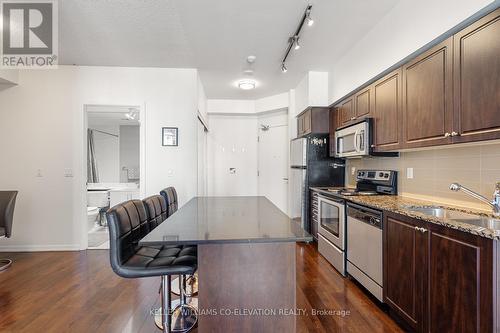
170	136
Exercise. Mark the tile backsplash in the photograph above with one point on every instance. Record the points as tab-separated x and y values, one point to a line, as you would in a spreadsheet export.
476	167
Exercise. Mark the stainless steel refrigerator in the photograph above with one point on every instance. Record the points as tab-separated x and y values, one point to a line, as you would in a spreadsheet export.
311	166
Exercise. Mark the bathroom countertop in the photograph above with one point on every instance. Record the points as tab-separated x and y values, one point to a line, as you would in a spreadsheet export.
400	205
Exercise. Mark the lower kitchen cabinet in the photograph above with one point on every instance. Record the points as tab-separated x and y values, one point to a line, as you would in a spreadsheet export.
438	279
404	268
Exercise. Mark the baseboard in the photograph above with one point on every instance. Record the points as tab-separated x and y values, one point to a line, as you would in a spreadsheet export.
39	248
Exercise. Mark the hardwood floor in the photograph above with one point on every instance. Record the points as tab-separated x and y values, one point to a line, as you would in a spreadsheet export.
78	292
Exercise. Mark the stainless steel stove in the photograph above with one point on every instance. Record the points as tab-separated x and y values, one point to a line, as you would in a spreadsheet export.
370	182
333	225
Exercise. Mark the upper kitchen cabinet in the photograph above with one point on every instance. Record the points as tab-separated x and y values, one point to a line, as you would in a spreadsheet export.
334	120
362	103
346	111
428	98
386	111
477	80
313	120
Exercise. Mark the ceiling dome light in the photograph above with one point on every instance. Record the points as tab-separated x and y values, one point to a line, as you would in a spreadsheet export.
283	68
247	84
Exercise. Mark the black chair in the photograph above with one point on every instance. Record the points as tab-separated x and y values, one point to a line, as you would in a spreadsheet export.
7	205
170	195
128	222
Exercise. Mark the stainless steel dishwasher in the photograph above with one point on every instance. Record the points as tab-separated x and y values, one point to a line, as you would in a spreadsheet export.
364	247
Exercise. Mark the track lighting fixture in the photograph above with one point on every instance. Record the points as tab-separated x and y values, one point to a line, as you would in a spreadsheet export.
294	40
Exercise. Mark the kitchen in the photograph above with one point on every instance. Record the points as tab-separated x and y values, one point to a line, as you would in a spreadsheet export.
299	185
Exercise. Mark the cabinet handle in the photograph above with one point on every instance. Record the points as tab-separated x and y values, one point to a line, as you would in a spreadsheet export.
353	118
422	230
454	133
446	135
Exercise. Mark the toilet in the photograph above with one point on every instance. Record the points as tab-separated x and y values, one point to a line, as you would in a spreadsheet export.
92	214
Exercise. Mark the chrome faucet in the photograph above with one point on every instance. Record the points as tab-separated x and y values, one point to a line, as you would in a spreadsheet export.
495	203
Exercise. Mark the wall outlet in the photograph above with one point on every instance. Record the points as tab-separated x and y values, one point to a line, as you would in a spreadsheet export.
170	173
353	171
39	173
409	173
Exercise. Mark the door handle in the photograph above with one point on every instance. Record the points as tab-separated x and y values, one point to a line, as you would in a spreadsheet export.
285	178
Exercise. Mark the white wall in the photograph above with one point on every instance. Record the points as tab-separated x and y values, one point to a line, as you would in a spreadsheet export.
236	106
312	90
43	116
232	143
129	151
407	27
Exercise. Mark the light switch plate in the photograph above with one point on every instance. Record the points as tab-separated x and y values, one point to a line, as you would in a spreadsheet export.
409	173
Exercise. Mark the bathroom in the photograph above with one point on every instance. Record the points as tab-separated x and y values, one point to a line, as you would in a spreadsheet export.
113	165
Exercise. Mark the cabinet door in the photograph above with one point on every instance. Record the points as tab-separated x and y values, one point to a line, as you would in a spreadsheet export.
477	80
363	104
334	116
307	122
346	109
404	268
387	112
460	281
428	97
300	126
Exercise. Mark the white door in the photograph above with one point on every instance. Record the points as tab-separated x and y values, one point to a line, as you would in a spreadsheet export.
273	164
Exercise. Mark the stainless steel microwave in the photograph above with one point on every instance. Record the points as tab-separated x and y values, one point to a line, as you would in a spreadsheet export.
353	140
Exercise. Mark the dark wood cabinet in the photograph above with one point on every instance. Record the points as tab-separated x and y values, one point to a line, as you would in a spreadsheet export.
334	121
386	106
362	103
477	80
404	269
460	285
428	98
346	111
436	278
313	120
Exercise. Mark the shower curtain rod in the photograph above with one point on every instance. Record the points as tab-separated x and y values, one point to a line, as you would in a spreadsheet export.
104	132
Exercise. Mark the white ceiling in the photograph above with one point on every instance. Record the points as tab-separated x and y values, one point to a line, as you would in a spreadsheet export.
215	37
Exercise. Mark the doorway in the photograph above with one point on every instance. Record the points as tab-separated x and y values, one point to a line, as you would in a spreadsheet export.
113	138
273	158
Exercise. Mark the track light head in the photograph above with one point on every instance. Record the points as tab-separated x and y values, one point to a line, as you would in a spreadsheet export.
296	41
309	19
283	68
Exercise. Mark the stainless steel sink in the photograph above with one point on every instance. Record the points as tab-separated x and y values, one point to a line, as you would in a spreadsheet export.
450	214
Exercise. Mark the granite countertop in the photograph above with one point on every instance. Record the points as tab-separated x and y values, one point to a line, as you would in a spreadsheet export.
207	220
400	205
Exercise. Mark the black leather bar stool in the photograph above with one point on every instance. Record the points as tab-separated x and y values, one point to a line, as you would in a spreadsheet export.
7	205
128	223
156	209
170	195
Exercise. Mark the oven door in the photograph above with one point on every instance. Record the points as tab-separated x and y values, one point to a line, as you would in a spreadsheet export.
331	216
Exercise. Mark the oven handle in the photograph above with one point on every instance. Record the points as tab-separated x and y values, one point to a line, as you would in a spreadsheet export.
325	198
